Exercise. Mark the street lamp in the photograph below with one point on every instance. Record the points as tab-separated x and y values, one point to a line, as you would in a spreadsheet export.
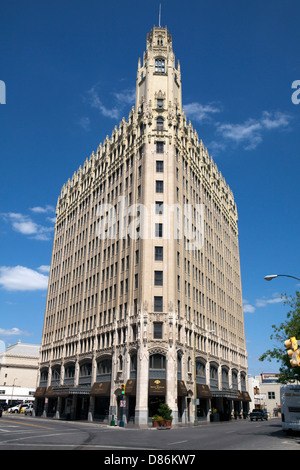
272	276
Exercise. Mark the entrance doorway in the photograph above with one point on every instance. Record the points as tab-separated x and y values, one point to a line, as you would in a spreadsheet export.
153	404
82	407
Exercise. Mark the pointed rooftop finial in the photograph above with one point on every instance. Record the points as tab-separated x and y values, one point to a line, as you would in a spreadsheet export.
159	16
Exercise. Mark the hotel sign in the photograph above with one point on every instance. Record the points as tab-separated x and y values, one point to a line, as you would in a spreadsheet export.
157	386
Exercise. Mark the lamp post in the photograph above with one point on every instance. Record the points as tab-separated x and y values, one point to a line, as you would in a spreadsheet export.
272	276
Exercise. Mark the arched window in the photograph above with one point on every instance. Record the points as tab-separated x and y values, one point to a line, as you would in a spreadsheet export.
70	372
157	366
160	65
104	366
200	369
214	382
157	361
133	362
56	373
86	369
44	375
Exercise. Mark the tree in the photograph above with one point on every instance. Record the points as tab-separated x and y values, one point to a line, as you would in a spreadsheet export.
290	327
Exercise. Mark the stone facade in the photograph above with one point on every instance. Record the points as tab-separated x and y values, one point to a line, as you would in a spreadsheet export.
19	365
145	285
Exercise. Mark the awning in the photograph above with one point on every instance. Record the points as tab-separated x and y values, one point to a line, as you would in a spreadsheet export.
246	396
239	396
157	386
50	392
181	389
62	391
101	389
40	392
225	393
80	390
203	391
130	389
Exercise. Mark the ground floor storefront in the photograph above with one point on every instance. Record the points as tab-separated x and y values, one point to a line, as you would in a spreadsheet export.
98	403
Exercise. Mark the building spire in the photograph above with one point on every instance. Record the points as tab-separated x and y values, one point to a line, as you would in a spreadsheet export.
159	15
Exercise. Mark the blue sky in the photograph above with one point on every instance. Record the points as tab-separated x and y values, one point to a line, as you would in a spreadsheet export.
70	67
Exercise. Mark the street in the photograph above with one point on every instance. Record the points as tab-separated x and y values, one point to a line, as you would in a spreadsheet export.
19	432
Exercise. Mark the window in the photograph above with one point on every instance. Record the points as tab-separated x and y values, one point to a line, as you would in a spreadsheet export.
160	123
158	303
160	103
157	330
271	395
159	186
159	207
158	278
159	253
158	230
159	166
159	147
160	65
157	361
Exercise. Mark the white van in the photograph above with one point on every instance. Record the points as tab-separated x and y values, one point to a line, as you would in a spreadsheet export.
290	407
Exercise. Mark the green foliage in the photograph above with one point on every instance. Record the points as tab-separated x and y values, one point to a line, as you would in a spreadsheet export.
290	327
165	411
157	418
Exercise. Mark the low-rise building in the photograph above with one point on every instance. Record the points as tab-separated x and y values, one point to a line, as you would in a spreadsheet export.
18	372
264	390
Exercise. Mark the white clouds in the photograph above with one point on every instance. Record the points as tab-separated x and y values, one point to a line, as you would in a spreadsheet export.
44	268
251	132
199	112
248	308
264	302
85	122
26	226
20	278
126	96
12	332
43	210
114	111
95	102
275	120
248	134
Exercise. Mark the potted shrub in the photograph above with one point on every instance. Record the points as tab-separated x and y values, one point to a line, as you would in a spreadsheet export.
165	411
214	415
156	420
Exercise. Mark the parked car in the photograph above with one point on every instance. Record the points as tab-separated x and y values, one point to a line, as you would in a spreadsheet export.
14	409
28	409
258	414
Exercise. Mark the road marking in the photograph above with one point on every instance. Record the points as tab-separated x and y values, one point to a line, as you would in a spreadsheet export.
24	424
81	446
173	443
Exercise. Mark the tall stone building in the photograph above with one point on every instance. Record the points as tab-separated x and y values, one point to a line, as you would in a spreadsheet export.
145	285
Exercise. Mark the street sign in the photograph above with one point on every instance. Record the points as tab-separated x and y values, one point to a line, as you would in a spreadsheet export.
123	403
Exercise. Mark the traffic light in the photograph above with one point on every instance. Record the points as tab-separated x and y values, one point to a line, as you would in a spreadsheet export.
123	389
294	352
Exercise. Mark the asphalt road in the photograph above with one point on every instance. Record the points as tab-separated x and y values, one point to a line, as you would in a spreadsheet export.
18	432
